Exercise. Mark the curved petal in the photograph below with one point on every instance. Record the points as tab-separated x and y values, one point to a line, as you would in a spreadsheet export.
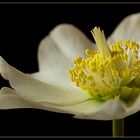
91	109
57	79
9	99
39	91
128	29
135	107
58	50
110	110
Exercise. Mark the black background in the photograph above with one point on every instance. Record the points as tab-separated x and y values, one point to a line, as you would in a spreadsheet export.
22	26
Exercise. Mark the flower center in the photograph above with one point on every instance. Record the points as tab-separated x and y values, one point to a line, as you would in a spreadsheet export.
108	72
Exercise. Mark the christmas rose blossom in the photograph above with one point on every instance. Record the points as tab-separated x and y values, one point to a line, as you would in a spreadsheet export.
51	88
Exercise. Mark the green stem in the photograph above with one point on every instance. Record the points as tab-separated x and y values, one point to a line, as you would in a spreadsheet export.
118	128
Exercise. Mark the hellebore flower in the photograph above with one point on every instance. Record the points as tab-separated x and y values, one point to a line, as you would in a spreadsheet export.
106	80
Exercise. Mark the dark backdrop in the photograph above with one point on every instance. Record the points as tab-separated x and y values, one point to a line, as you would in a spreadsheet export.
21	29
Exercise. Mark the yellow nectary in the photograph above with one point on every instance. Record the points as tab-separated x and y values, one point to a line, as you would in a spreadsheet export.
110	71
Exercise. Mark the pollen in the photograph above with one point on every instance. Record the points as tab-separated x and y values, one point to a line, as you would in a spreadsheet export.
104	72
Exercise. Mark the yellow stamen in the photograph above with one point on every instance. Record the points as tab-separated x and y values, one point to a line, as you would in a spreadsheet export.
104	72
101	42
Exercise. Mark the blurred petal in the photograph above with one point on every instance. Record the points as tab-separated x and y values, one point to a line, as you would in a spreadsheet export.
57	52
56	80
135	107
128	29
109	110
40	91
9	99
91	109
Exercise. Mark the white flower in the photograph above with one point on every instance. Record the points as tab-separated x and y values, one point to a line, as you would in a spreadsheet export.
51	88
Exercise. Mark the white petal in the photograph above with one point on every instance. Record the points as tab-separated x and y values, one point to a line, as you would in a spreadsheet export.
57	79
135	107
9	99
39	91
58	50
128	29
91	109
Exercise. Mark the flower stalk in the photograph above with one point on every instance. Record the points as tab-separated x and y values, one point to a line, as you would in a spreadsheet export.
118	128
